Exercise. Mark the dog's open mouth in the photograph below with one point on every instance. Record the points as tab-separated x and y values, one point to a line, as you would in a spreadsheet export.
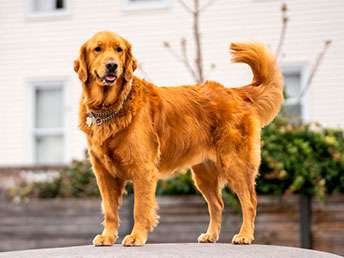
108	79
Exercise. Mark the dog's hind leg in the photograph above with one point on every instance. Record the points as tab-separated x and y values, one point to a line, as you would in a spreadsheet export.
241	180
206	179
240	174
238	159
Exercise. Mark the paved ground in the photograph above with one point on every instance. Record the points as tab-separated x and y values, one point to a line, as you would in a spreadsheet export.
172	251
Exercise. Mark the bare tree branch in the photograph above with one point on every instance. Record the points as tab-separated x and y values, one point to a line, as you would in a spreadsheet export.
285	20
181	60
171	50
196	69
187	8
315	68
183	47
206	5
197	37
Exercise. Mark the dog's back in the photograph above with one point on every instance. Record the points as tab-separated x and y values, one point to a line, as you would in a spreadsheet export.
190	118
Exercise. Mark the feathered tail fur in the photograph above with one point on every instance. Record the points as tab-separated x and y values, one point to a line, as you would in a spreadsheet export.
265	93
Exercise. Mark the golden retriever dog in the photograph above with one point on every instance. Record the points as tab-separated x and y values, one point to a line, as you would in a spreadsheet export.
141	133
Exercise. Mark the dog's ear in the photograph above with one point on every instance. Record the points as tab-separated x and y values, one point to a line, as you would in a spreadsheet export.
80	65
130	63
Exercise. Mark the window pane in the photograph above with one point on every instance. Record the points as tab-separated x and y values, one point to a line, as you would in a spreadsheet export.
59	4
49	149
292	82
292	87
47	5
43	5
49	108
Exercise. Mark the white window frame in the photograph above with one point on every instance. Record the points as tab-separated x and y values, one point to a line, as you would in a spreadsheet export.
32	132
128	5
48	14
301	68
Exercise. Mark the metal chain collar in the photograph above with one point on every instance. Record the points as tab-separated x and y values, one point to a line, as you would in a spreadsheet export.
100	117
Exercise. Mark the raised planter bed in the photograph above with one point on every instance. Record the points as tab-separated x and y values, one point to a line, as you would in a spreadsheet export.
65	222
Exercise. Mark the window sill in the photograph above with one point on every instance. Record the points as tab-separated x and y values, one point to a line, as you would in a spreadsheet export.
54	15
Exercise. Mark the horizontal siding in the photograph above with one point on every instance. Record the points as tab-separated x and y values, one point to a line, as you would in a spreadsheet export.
45	47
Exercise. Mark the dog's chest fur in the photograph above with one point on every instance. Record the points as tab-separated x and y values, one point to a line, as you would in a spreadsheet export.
126	151
105	155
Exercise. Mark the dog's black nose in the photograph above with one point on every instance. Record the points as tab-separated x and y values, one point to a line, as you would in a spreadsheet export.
111	66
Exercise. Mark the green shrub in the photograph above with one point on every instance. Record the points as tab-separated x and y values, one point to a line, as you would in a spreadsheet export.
180	185
305	159
76	180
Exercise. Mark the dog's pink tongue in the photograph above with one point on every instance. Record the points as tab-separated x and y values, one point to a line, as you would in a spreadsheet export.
110	77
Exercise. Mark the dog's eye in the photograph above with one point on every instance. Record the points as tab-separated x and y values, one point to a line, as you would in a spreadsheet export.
98	49
119	49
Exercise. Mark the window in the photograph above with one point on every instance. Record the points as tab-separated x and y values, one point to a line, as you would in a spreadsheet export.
47	7
48	123
145	4
293	82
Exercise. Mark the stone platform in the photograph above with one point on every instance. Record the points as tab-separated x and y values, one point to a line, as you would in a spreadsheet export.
172	251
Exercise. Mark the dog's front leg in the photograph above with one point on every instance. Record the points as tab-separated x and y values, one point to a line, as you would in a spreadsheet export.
145	217
111	190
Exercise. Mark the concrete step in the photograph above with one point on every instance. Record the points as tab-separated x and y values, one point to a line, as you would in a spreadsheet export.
172	251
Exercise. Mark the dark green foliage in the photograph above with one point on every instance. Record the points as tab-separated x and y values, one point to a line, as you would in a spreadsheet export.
180	185
305	159
77	180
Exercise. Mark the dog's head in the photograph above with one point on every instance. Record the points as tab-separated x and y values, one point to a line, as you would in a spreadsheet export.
104	59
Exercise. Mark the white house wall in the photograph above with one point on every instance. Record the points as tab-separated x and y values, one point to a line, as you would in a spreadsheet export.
44	48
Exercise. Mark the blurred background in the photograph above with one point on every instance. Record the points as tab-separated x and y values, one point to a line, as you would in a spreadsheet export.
49	197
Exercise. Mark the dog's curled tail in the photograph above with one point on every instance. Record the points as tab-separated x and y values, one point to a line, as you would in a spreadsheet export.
265	93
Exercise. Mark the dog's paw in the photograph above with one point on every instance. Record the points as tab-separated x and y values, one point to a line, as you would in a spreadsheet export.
207	238
240	239
133	240
101	240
